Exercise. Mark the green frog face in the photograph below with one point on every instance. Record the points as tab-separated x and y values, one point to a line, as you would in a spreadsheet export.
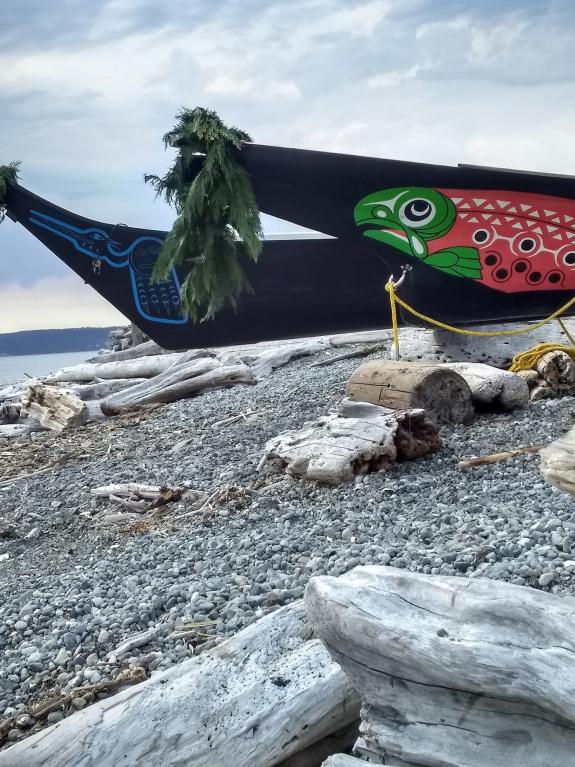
406	218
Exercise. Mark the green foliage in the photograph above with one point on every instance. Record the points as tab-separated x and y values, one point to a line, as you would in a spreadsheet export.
8	175
218	223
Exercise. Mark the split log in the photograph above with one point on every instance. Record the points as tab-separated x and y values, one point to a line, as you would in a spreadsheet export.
54	408
185	379
258	698
492	387
442	393
452	672
558	462
358	439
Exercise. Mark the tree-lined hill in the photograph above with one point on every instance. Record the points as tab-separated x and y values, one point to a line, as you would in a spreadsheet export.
53	341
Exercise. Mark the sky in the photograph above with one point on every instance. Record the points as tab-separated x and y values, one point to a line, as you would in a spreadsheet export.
88	88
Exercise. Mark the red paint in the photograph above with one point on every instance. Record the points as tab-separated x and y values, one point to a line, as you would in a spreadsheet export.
525	241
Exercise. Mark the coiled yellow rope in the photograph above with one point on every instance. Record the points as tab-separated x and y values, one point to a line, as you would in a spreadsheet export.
524	361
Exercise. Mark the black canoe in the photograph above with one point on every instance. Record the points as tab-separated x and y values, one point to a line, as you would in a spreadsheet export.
484	245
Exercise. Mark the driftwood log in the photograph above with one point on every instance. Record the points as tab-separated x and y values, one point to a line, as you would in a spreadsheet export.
358	439
260	697
558	462
53	408
184	379
146	349
143	367
452	672
552	376
442	393
102	389
492	387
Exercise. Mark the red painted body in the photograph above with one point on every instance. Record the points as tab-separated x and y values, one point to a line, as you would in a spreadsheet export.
525	241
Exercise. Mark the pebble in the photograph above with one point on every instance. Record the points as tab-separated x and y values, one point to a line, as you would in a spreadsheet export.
546	579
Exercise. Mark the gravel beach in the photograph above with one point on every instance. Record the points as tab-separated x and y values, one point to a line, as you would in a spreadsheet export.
72	589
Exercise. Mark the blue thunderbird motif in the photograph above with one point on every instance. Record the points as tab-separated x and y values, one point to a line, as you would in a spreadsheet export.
155	301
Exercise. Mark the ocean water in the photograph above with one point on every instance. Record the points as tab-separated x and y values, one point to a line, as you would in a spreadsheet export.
14	369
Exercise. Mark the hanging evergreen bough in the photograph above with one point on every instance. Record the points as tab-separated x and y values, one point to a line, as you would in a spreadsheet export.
8	175
218	222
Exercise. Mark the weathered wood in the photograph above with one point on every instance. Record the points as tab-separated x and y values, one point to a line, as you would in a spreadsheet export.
442	393
264	360
470	463
102	389
143	367
492	387
265	694
314	755
21	429
145	349
359	438
558	462
54	408
188	377
453	672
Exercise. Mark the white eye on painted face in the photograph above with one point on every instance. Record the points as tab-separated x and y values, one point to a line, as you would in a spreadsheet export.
380	212
417	212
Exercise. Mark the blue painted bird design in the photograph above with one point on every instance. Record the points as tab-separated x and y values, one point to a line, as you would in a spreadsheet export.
155	301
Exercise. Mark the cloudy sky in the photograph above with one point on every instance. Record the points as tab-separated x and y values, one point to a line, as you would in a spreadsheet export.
88	87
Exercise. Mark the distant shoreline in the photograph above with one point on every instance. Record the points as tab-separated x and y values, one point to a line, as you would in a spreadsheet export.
53	341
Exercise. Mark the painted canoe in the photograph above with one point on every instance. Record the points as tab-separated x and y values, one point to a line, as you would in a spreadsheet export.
484	245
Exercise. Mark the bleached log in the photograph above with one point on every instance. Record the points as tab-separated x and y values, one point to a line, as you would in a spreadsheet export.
53	408
443	393
492	387
453	672
143	367
256	699
265	360
146	349
182	380
558	462
21	429
129	489
102	389
358	439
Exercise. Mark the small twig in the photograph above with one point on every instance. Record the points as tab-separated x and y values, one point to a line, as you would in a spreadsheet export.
470	463
363	352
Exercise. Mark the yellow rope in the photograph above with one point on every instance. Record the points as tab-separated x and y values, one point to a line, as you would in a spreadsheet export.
523	361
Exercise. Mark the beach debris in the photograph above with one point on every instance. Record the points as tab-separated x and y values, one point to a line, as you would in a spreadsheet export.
357	439
53	408
363	352
142	499
558	462
452	671
442	393
471	463
182	380
273	684
492	387
553	375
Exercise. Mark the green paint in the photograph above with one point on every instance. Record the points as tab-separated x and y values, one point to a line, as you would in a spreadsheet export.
407	218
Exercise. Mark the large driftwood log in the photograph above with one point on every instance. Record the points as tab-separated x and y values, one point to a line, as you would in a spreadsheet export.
358	439
552	376
184	379
442	393
143	367
558	462
102	389
54	408
492	387
256	699
452	672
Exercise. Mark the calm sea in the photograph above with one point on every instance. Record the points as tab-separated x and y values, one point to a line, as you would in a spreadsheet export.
14	369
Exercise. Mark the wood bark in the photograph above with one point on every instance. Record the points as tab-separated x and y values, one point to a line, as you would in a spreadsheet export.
54	408
492	387
358	439
558	462
442	393
452	672
258	698
185	379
